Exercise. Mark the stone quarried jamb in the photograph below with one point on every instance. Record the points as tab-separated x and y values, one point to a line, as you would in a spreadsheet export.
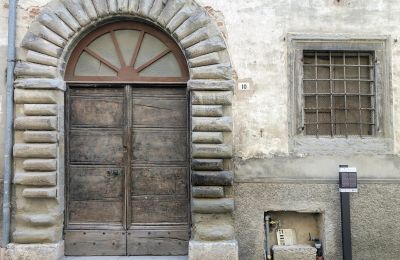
211	88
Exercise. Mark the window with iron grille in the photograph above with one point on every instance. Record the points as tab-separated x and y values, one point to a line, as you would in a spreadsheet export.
340	97
339	94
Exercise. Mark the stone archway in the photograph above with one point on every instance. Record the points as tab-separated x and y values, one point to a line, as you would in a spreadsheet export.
39	122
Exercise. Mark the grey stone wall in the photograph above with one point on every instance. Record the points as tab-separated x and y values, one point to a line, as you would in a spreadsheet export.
374	216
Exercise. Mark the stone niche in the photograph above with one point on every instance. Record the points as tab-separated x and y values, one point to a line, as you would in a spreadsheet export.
306	226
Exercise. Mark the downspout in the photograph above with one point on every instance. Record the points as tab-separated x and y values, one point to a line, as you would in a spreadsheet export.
8	132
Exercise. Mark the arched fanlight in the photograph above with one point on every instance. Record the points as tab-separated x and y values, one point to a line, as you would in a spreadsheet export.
127	52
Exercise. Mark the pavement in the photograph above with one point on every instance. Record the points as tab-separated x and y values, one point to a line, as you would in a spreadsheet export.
125	258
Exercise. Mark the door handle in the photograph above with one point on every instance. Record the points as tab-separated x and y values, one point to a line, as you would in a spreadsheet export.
113	173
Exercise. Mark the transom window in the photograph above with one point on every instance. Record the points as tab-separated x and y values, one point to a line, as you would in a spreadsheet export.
127	52
339	93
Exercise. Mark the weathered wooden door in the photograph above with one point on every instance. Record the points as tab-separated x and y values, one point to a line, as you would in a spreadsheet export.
127	171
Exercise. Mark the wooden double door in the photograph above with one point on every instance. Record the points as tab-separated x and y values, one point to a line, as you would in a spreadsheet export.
127	171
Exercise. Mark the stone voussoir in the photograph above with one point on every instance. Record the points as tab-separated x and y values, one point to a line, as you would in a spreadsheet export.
90	9
40	165
212	178
133	6
54	23
211	97
38	44
59	8
204	60
207	110
170	9
211	84
40	136
40	58
76	9
191	25
35	123
36	178
208	164
212	124
40	193
145	7
101	7
213	44
213	206
35	150
207	137
218	71
180	17
45	33
212	151
207	191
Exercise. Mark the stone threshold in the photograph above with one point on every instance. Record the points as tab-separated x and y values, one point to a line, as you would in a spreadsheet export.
125	258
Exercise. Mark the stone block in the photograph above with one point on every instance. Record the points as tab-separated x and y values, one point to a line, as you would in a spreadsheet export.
204	60
295	252
29	236
214	232
30	96
180	17
40	165
208	192
212	151
54	23
101	7
61	11
218	71
76	9
197	84
213	206
170	9
90	9
28	69
40	110
213	44
207	137
156	9
196	37
35	178
211	97
39	220
145	7
36	123
212	124
45	33
133	6
191	25
40	193
36	57
32	83
38	44
208	164
222	250
112	6
35	150
215	178
207	110
35	251
40	136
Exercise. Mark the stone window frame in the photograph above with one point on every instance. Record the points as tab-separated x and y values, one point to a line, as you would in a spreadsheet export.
299	143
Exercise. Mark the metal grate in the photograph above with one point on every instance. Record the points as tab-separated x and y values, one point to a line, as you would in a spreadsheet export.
339	93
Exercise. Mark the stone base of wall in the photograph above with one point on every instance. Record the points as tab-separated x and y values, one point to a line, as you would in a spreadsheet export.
297	252
35	251
221	250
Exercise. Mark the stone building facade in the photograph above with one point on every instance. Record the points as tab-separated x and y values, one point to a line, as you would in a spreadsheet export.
254	150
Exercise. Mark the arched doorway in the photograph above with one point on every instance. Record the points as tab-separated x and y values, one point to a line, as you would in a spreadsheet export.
127	176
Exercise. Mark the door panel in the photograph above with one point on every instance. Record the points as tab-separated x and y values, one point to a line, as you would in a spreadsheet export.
158	242
127	171
159	145
94	242
99	146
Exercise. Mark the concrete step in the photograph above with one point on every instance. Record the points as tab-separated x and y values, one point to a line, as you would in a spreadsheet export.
125	258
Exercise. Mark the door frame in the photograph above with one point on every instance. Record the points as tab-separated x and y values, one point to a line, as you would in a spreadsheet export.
40	80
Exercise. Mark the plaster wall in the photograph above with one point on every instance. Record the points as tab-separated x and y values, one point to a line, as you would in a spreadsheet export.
256	33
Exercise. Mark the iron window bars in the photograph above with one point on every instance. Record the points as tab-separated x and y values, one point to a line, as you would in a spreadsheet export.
339	93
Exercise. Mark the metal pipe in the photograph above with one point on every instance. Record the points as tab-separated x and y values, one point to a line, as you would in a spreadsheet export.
267	249
8	133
